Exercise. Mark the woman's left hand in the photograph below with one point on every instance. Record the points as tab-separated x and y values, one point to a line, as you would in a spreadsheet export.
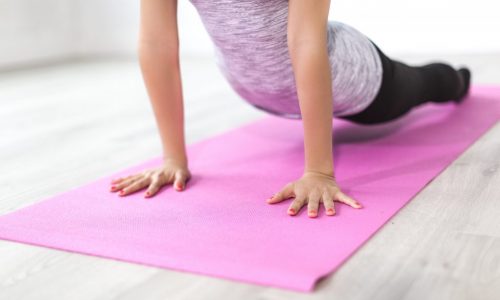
313	188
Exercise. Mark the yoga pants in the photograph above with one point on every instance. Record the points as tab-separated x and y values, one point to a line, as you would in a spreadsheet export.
405	87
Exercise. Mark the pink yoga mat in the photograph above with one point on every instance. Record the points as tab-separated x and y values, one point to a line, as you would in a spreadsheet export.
222	226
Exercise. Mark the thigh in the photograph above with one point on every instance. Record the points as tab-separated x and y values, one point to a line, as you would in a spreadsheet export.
399	92
375	112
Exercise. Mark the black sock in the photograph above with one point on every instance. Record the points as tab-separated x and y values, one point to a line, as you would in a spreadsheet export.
443	83
465	76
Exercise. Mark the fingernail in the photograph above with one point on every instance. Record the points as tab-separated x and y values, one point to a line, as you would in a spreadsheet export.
330	211
122	192
113	187
312	213
148	193
178	187
291	211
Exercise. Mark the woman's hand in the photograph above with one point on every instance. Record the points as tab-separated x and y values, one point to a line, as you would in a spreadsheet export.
170	172
313	188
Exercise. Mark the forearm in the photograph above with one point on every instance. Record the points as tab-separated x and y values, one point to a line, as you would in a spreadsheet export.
161	74
314	89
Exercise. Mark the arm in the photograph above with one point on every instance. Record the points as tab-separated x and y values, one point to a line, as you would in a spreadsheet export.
158	49
307	45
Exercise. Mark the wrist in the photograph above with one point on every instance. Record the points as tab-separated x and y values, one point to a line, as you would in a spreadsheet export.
327	172
319	162
177	159
324	166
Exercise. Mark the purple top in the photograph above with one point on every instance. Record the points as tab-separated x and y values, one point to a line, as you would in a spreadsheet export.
251	50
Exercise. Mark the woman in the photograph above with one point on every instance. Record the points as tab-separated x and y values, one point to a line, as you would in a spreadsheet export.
286	58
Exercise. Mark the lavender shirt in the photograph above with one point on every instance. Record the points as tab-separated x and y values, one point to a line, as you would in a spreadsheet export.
251	50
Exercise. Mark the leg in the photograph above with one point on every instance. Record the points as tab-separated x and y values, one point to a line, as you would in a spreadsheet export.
405	87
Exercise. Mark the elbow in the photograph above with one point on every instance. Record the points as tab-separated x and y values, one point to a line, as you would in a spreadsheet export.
304	46
157	50
295	45
303	52
300	40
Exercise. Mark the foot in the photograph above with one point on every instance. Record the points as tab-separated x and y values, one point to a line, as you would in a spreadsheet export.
465	78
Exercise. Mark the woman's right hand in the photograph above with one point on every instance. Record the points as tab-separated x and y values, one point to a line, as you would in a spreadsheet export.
170	172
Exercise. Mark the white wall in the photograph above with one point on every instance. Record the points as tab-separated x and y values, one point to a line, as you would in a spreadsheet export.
111	26
425	26
106	26
34	30
399	26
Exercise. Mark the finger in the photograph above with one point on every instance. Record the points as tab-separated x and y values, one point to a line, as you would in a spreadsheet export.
124	183
285	193
296	205
347	200
120	179
160	178
163	178
180	180
329	204
313	205
139	184
116	180
153	188
166	178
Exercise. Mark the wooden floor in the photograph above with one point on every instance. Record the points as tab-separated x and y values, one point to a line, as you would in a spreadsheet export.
64	125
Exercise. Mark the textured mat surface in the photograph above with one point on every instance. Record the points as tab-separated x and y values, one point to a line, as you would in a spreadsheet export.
222	226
